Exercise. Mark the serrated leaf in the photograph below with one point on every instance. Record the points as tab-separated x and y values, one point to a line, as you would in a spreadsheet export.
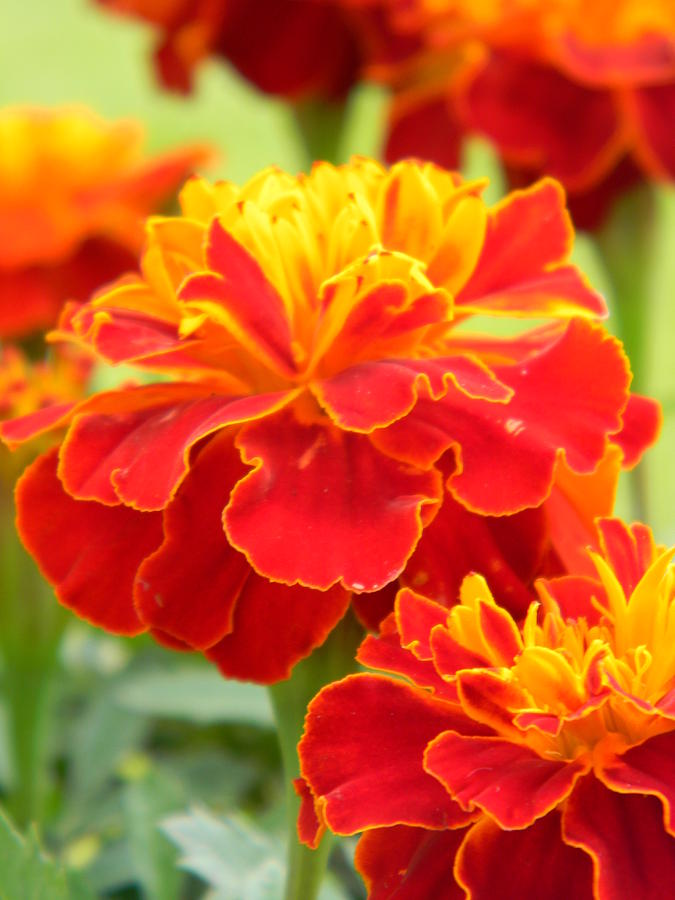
237	860
195	694
26	873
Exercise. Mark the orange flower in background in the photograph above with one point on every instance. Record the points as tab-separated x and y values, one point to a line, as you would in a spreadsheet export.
27	386
536	758
293	48
323	395
582	91
74	191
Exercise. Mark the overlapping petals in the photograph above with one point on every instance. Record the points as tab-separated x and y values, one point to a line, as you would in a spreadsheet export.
295	49
554	739
74	191
565	88
313	336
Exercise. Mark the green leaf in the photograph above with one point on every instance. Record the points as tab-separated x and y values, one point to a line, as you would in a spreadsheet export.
148	797
237	860
27	874
195	694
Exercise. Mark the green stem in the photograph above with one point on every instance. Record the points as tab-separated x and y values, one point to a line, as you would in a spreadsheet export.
290	698
626	246
320	125
31	623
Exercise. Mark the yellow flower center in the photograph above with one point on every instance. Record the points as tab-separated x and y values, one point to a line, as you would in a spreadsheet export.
575	688
326	242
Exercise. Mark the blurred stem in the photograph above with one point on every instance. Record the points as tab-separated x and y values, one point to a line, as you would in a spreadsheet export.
626	245
290	699
31	624
320	125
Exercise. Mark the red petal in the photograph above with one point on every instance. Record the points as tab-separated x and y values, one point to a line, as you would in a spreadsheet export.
253	310
642	420
89	552
140	457
323	506
633	855
15	431
424	127
415	618
189	586
274	627
568	396
362	755
540	118
310	829
629	549
511	783
487	696
386	654
647	769
370	395
409	863
574	594
654	107
532	863
530	233
508	550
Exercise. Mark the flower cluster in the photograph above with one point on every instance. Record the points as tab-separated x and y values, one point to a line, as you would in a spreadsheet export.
537	757
74	191
323	397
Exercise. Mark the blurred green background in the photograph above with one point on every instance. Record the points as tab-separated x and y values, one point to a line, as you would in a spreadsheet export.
140	756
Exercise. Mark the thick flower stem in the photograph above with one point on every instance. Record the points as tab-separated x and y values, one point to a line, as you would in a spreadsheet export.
290	698
626	245
320	125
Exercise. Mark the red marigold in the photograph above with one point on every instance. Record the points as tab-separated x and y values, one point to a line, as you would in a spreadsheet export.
532	761
583	92
324	389
74	191
294	48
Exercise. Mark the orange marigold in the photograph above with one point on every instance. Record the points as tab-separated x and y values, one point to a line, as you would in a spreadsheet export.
74	191
323	395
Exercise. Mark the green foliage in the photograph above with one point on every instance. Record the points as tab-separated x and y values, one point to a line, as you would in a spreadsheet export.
26	873
237	860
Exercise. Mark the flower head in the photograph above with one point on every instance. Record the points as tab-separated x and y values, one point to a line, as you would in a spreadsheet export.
551	742
74	191
321	388
294	48
575	90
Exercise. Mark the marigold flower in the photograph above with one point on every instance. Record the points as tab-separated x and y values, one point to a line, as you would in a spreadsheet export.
322	392
27	386
536	758
583	92
293	48
74	191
